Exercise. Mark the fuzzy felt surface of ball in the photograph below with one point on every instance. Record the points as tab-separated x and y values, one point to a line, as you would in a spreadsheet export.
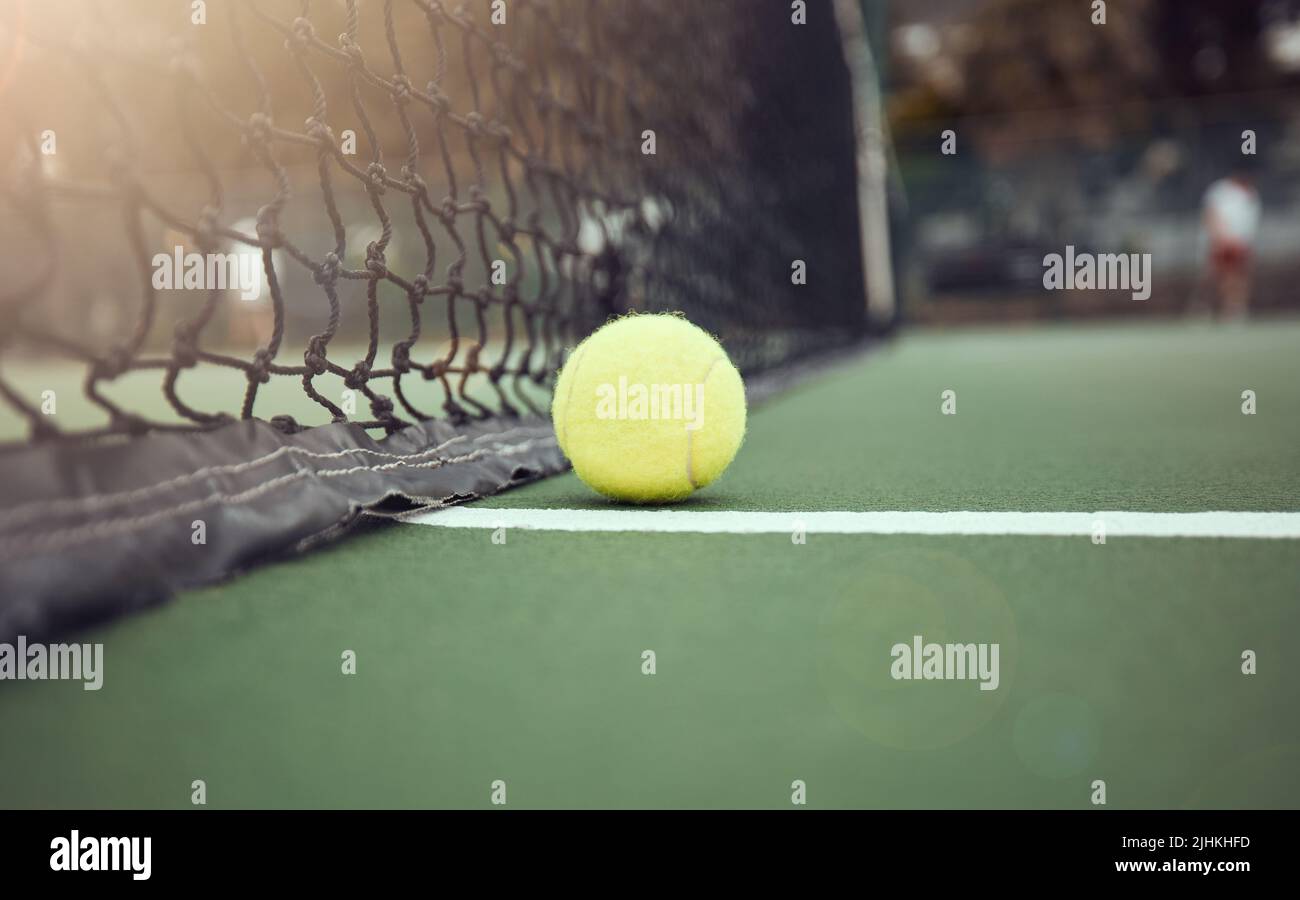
649	409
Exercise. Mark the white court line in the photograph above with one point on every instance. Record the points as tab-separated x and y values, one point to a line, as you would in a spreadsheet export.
1266	525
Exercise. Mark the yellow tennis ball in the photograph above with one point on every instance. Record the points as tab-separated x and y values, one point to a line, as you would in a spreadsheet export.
649	408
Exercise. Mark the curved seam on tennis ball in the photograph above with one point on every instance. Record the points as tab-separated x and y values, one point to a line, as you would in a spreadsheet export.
690	451
573	381
690	469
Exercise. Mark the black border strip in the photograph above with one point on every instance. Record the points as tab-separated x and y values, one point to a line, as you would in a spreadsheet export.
982	852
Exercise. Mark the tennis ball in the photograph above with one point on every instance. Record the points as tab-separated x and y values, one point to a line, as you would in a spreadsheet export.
649	408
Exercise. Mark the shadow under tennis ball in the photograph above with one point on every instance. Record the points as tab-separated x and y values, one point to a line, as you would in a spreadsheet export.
1056	735
889	598
582	497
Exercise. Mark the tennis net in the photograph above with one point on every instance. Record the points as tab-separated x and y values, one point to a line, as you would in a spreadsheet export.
276	246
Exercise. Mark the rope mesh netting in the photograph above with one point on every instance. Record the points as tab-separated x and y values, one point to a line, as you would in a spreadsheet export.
438	199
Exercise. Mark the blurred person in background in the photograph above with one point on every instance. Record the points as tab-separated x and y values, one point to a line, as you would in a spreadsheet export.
1231	222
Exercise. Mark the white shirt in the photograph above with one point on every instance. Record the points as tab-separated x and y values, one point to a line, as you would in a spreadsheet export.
1236	210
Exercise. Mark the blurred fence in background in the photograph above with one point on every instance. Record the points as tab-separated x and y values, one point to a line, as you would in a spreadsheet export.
1101	137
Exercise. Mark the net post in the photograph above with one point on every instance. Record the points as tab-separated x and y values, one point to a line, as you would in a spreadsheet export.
872	190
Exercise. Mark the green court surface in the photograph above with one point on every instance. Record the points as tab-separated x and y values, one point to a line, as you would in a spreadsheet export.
522	662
